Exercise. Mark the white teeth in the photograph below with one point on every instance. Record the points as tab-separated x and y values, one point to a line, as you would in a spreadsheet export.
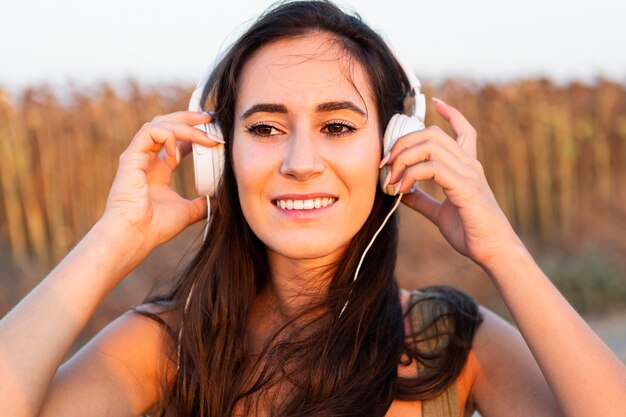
305	204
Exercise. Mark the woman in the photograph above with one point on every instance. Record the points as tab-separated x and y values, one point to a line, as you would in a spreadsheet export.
268	319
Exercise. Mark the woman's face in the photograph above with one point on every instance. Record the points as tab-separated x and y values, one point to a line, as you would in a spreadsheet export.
306	147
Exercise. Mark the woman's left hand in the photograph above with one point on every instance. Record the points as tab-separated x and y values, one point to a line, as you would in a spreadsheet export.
469	217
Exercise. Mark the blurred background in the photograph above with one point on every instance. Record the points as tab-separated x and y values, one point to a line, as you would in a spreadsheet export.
542	82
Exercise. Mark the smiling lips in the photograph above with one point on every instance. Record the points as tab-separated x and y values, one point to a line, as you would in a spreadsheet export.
307	204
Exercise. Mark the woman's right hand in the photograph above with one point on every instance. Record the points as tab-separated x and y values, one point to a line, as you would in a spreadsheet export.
141	201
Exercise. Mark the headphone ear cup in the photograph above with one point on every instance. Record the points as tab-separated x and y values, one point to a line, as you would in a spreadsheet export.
208	162
400	125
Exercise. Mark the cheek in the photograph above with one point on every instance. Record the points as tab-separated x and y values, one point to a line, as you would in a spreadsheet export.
360	168
252	169
243	169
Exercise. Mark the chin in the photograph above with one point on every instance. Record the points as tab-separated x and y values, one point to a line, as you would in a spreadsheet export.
307	250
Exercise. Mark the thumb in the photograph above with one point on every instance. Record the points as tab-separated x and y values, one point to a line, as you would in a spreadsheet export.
423	203
198	208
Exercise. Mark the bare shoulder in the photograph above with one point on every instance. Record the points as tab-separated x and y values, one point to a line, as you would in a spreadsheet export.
126	363
507	380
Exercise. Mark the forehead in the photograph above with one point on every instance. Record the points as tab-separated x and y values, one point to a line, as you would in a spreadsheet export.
308	68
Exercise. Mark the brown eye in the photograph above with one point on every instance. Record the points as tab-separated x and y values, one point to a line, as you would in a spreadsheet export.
338	129
263	130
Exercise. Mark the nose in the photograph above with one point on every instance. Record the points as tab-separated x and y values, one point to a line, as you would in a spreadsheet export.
302	159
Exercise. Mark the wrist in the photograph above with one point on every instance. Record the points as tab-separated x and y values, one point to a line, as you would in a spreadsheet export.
512	258
126	246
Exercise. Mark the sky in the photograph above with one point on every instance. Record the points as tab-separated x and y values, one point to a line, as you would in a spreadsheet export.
155	41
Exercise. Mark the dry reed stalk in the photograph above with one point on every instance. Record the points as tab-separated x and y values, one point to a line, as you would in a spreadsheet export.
54	161
542	157
549	153
517	157
493	108
559	118
31	179
620	140
609	102
10	158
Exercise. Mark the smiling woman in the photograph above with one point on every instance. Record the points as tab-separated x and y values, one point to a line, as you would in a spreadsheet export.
310	103
302	133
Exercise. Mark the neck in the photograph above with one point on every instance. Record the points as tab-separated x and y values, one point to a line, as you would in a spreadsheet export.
296	283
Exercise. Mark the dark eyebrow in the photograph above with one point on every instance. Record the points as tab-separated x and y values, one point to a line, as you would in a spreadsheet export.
323	107
265	108
340	105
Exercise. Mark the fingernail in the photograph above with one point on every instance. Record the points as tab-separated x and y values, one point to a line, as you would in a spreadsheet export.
384	161
215	138
438	100
387	179
177	156
396	188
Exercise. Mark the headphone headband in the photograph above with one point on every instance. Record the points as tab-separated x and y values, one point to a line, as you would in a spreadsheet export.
415	98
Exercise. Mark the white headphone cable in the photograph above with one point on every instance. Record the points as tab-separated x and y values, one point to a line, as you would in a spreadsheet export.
208	215
356	273
358	268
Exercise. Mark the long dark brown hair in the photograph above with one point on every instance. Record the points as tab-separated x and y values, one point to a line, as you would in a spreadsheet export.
319	363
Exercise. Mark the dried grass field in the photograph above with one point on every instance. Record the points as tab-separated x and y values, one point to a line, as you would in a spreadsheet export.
555	156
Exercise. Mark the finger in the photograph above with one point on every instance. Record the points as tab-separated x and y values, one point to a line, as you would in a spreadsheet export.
171	161
466	134
190	118
182	130
431	133
198	209
152	136
426	151
184	148
423	203
444	175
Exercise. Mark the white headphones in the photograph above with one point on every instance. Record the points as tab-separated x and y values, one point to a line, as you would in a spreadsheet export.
209	162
